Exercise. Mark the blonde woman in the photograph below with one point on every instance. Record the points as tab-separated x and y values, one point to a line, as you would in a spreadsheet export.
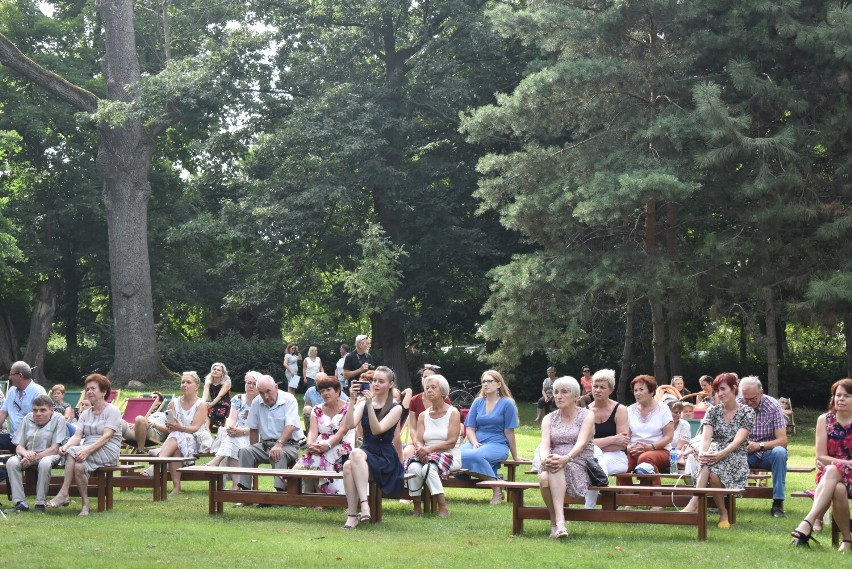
490	430
187	416
311	366
217	390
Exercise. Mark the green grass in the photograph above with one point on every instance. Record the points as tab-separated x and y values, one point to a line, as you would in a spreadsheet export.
179	533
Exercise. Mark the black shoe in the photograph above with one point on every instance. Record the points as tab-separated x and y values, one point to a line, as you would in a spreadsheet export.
39	509
778	510
19	507
800	539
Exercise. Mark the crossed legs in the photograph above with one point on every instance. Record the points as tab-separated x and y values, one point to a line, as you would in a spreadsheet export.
356	474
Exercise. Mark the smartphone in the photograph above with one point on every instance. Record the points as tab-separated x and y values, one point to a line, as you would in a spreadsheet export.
365	386
170	416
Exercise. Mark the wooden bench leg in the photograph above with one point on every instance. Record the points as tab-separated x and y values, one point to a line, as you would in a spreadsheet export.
517	503
100	479
702	517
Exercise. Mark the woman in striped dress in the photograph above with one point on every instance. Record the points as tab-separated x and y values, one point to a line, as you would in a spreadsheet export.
96	443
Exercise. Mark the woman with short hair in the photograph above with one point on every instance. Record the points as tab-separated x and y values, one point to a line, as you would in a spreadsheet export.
651	427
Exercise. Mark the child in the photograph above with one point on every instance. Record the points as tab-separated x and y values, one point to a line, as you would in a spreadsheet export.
688	410
682	432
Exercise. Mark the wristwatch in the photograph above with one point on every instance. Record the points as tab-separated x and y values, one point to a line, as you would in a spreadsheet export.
761	446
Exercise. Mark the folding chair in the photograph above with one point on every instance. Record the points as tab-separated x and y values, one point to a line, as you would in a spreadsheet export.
136	407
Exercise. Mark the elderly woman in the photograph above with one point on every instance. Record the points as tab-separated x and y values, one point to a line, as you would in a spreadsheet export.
722	454
96	443
834	462
187	419
57	392
373	408
437	433
566	445
235	435
651	427
217	389
328	438
490	430
612	432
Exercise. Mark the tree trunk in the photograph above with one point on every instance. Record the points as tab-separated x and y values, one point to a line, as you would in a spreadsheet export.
771	342
390	338
44	309
124	161
675	333
847	335
71	295
9	351
658	341
626	355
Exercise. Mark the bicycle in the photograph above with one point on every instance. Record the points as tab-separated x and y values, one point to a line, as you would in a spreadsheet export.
463	396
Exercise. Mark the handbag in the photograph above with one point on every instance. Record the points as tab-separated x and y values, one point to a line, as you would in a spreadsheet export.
597	476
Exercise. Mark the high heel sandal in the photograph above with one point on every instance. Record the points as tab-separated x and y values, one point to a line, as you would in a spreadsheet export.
800	539
843	548
364	517
350	515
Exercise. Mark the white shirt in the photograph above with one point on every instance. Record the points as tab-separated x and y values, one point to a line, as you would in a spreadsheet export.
651	430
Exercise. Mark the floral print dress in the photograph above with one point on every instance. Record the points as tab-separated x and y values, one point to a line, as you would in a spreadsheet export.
839	445
330	459
732	470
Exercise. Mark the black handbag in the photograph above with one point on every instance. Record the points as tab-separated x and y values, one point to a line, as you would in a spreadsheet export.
597	477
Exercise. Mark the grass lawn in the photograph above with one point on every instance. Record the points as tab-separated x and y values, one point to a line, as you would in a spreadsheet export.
179	533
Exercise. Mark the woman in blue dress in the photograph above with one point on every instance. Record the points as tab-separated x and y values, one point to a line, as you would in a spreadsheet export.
490	430
378	415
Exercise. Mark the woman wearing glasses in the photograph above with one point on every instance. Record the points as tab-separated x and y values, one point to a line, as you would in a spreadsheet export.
490	430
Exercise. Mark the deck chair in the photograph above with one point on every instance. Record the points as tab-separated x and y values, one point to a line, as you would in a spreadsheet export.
113	396
138	406
167	398
73	398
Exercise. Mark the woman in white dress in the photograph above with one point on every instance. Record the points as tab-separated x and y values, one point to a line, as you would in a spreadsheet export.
311	366
187	417
292	357
235	435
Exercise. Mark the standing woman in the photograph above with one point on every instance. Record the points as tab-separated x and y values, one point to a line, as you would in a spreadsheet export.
722	455
96	443
217	390
490	430
236	433
651	426
311	366
566	445
834	460
378	415
292	357
188	419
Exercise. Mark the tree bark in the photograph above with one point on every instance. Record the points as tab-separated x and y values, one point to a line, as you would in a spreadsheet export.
675	333
9	351
847	335
70	305
626	355
41	322
771	342
658	341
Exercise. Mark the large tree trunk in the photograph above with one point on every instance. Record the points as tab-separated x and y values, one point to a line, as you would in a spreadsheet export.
675	333
41	322
658	341
124	161
71	295
771	342
626	355
9	351
390	339
847	335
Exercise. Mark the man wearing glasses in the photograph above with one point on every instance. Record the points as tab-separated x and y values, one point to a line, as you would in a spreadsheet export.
19	402
767	441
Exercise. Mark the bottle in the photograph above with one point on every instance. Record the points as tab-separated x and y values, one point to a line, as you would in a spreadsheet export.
673	460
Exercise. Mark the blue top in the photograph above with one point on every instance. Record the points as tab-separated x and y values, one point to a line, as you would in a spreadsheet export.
490	426
17	405
313	397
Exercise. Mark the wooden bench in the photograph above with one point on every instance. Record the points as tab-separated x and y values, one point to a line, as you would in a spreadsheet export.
610	498
158	481
764	492
292	496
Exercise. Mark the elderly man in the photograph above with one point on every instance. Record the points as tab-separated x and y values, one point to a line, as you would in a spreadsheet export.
19	401
274	431
37	443
359	361
767	441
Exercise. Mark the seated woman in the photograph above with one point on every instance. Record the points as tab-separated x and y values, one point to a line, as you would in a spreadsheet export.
437	433
651	427
722	455
834	462
217	391
328	438
490	430
96	443
188	418
235	435
374	409
612	433
566	445
59	404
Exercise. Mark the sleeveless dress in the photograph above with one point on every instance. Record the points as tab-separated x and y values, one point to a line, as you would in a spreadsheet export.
732	470
186	441
312	368
382	459
329	460
218	413
839	443
562	440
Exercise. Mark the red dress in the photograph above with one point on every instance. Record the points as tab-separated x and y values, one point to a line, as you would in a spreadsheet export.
839	446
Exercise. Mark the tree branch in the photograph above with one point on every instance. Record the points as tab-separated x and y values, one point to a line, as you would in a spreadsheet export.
77	97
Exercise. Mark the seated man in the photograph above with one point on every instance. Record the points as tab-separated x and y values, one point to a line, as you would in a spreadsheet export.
767	441
37	443
274	431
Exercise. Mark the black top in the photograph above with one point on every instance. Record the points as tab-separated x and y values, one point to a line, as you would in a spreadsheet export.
608	427
354	361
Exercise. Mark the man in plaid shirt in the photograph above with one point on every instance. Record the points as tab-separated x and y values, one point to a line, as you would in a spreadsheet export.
767	441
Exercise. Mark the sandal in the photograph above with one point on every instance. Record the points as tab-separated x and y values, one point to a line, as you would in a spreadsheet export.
350	515
55	503
561	532
364	517
800	539
843	548
84	511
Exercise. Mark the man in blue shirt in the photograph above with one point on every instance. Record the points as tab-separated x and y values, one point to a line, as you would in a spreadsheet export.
19	401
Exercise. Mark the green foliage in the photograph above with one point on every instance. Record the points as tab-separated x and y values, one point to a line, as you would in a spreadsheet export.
372	285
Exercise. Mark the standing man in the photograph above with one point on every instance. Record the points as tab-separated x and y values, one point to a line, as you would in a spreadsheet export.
767	441
338	369
274	431
19	401
545	402
37	443
360	360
